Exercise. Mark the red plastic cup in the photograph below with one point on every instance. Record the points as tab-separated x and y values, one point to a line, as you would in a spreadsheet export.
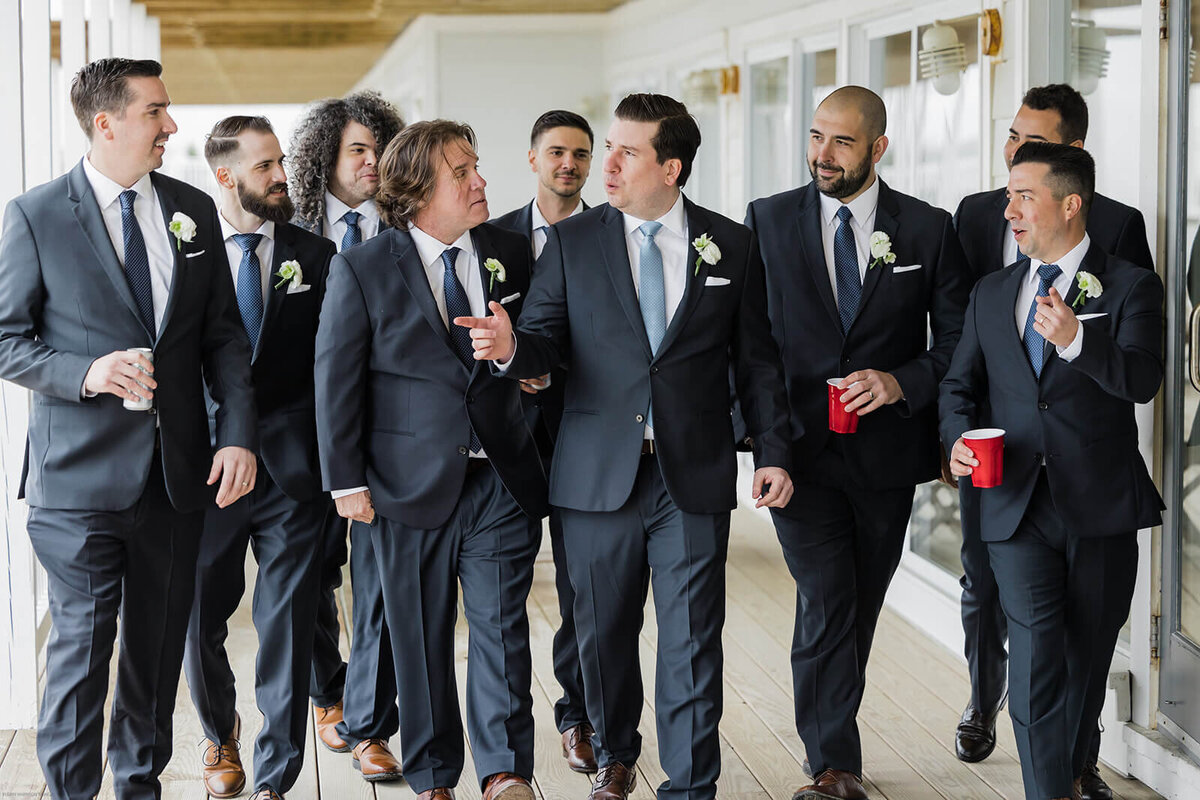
988	446
840	420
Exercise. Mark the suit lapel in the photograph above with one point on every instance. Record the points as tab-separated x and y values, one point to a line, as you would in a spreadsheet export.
168	203
1012	337
284	250
1093	262
611	240
886	214
697	224
813	250
483	251
997	227
408	260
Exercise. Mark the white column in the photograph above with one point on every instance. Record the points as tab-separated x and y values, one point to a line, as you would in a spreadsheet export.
99	30
35	90
73	55
137	31
120	28
153	42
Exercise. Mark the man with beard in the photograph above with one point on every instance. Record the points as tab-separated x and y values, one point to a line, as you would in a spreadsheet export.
857	276
560	154
279	273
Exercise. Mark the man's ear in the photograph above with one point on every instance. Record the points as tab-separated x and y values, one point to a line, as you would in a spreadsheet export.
674	168
1072	206
878	149
224	177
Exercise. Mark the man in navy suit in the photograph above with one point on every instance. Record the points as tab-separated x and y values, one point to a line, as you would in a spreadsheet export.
90	267
279	276
560	154
1054	113
411	426
648	301
858	275
1059	369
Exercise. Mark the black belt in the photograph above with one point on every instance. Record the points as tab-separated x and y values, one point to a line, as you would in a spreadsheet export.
476	464
648	448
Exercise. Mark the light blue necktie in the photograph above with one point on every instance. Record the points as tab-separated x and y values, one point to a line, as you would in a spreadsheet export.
1035	343
353	235
249	285
652	295
457	305
137	262
845	269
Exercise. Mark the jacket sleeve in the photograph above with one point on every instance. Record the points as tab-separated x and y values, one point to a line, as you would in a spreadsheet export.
965	384
542	333
1132	244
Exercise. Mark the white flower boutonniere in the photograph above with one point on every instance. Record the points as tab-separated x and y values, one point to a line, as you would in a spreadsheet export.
290	271
497	270
881	250
709	252
184	228
1089	287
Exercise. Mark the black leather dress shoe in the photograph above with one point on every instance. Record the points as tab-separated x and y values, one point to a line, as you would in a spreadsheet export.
1092	786
975	737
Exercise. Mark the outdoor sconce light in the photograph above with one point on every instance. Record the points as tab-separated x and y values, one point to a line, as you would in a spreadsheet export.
942	57
1089	56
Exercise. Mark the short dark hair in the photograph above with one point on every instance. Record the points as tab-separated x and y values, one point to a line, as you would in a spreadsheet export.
1071	107
678	135
408	169
222	141
559	119
1072	169
102	86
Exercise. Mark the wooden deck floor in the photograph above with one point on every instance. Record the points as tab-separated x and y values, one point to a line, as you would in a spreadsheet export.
916	691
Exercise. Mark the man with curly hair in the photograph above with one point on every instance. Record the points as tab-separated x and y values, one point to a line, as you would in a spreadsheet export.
333	182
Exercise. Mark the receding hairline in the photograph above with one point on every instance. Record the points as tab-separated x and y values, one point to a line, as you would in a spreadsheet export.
861	99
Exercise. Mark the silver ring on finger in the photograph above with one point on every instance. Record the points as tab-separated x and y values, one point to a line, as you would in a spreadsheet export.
245	483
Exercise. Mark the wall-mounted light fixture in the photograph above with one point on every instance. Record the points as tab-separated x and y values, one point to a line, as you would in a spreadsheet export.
942	57
1089	55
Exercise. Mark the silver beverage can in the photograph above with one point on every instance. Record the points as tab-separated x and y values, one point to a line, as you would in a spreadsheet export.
141	404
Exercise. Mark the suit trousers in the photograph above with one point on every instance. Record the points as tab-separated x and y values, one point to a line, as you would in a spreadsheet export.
1066	598
612	556
570	710
488	546
842	544
328	680
285	536
140	564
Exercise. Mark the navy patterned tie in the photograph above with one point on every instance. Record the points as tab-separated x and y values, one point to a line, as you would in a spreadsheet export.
1035	343
353	235
845	268
137	262
457	305
249	285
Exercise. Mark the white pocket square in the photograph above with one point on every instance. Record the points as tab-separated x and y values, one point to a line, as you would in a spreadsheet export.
510	298
193	255
898	270
304	287
714	281
1082	317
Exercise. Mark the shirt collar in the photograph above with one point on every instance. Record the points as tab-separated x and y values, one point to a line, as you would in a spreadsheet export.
335	209
430	249
861	207
107	190
266	230
1069	264
539	221
672	221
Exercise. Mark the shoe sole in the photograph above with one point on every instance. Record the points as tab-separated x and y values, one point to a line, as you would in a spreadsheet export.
378	776
345	748
814	795
975	759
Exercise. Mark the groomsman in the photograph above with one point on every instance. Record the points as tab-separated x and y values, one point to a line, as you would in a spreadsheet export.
334	158
1054	113
279	275
648	301
560	154
108	257
411	426
1061	529
858	275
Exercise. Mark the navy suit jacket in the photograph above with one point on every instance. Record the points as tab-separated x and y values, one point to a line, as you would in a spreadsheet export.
395	405
1079	417
65	301
583	312
895	446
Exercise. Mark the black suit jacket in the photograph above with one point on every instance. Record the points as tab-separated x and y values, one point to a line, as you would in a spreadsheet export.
65	301
395	405
583	312
1079	417
897	445
1117	229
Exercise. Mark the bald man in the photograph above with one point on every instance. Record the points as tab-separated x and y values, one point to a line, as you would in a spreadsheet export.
843	308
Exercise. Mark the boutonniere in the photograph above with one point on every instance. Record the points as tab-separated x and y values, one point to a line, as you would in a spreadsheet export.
496	269
881	250
1089	286
290	271
184	228
709	252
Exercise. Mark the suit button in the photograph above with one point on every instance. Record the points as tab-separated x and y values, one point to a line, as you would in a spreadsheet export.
1043	405
846	360
1037	457
462	451
654	370
153	411
640	418
469	399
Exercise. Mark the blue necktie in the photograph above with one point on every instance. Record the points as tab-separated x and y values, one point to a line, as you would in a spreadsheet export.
1035	343
353	235
845	268
137	262
652	294
249	285
457	305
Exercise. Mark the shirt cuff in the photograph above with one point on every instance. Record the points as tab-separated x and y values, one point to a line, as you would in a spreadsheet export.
502	366
337	494
1072	351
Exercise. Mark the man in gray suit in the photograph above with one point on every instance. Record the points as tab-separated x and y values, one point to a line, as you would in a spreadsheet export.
109	257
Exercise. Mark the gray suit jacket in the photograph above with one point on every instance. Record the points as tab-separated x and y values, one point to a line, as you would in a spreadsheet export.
65	301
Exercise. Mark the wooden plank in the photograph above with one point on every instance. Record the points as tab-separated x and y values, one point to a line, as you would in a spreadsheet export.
20	772
6	738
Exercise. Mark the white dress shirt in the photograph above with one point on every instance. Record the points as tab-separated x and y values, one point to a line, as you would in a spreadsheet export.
1069	264
333	227
160	244
538	222
265	251
862	223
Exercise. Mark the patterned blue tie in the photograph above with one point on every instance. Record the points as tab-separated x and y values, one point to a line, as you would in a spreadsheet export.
652	295
137	262
845	268
249	285
1035	343
353	235
457	305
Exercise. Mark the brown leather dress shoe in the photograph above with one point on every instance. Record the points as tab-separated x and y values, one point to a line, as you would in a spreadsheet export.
833	784
440	793
374	759
614	782
266	793
507	786
327	718
577	748
222	766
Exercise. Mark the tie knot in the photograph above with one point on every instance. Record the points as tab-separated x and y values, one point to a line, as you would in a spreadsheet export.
648	229
127	197
351	218
247	241
542	229
1048	272
844	214
449	256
